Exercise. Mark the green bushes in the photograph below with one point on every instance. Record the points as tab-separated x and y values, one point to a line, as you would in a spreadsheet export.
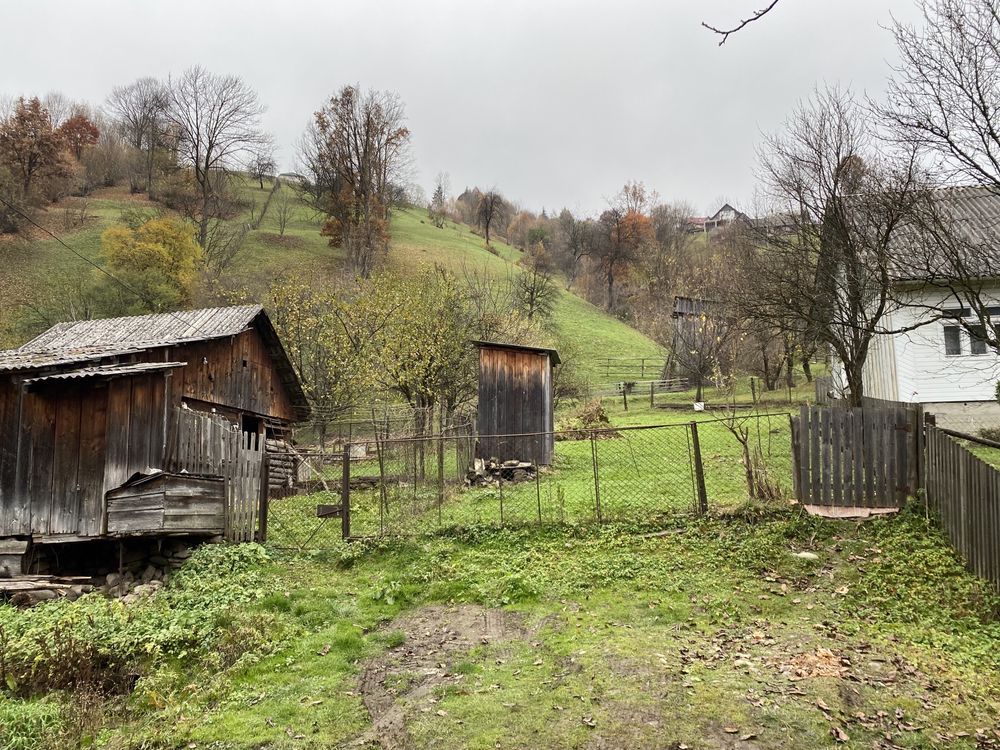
105	645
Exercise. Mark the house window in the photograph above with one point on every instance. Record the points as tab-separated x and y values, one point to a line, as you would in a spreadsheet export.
952	340
977	339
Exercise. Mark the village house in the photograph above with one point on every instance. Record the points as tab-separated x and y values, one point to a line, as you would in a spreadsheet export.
122	427
935	361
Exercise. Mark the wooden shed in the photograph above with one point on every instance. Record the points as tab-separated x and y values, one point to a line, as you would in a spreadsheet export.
515	415
88	405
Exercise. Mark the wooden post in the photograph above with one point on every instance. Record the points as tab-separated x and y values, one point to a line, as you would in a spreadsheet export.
699	470
440	468
651	384
793	424
345	494
264	496
625	395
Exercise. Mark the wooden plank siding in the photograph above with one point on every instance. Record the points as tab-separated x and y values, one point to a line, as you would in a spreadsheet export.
856	457
964	492
515	405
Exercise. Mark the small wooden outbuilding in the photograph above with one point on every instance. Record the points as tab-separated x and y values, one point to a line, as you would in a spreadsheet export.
89	408
515	415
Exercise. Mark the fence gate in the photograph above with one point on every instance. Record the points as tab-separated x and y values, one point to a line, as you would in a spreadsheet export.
856	457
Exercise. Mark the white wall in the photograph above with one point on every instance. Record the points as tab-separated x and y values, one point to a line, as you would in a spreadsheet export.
923	372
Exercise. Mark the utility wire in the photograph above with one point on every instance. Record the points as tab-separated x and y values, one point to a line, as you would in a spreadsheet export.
98	266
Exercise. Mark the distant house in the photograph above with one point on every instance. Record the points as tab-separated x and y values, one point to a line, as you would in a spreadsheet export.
90	407
937	363
724	217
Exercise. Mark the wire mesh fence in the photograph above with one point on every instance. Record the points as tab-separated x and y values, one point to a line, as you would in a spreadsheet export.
415	485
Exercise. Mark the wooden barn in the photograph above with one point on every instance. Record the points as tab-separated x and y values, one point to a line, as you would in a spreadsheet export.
160	416
515	416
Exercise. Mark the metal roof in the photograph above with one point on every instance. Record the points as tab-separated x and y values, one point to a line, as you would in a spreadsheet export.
145	331
105	371
553	354
89	341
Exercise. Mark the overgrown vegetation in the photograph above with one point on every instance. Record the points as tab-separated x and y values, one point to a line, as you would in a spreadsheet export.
681	636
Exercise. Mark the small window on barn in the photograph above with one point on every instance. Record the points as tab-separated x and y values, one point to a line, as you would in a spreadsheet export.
952	340
977	339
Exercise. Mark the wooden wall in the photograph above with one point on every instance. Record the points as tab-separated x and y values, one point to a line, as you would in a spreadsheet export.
238	374
515	397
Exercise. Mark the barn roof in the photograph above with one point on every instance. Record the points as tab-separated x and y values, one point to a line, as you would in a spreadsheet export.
553	354
83	341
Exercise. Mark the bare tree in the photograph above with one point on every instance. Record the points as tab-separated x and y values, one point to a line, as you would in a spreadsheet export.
216	122
849	201
262	164
284	208
943	101
490	211
138	108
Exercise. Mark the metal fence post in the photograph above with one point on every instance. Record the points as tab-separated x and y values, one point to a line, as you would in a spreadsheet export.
699	470
597	475
345	494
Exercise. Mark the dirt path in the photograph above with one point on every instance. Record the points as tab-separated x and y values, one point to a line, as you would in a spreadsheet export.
401	681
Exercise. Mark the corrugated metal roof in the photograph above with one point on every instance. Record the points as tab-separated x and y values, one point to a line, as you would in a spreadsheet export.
144	331
106	371
971	215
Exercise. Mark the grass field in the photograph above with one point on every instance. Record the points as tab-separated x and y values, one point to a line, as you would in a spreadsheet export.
43	272
709	634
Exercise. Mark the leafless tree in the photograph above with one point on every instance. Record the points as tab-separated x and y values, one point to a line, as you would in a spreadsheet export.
139	109
943	102
848	199
216	122
284	208
490	211
262	164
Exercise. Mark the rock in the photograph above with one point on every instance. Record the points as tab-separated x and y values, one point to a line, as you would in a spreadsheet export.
113	579
149	573
805	555
158	560
182	554
40	595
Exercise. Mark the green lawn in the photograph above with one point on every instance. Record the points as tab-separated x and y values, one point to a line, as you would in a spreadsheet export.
709	634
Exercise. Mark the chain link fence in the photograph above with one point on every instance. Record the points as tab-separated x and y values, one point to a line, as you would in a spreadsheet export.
415	485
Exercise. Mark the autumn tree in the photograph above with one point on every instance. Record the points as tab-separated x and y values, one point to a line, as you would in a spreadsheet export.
490	211
30	148
157	264
354	153
624	230
215	120
78	133
284	208
310	322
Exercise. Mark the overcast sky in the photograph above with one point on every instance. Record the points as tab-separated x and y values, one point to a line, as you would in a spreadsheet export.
556	103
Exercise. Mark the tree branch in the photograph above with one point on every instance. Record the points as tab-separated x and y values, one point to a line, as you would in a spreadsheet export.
757	15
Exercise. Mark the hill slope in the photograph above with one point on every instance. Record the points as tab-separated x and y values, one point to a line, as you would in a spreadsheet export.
42	272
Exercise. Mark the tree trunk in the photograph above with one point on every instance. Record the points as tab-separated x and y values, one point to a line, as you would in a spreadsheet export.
806	368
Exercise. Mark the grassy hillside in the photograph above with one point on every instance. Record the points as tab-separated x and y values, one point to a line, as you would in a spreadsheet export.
43	271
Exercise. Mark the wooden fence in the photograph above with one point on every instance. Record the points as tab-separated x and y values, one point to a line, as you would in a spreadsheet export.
965	492
824	386
209	444
856	457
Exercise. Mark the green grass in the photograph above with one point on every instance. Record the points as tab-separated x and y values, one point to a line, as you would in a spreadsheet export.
688	637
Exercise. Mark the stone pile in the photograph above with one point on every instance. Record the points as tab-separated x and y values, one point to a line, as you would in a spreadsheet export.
490	472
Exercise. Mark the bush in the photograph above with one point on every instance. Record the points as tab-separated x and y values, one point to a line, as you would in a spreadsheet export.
990	433
105	645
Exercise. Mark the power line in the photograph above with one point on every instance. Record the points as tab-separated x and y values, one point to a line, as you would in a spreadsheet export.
98	266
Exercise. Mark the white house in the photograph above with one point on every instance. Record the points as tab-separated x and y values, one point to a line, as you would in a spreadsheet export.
938	363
